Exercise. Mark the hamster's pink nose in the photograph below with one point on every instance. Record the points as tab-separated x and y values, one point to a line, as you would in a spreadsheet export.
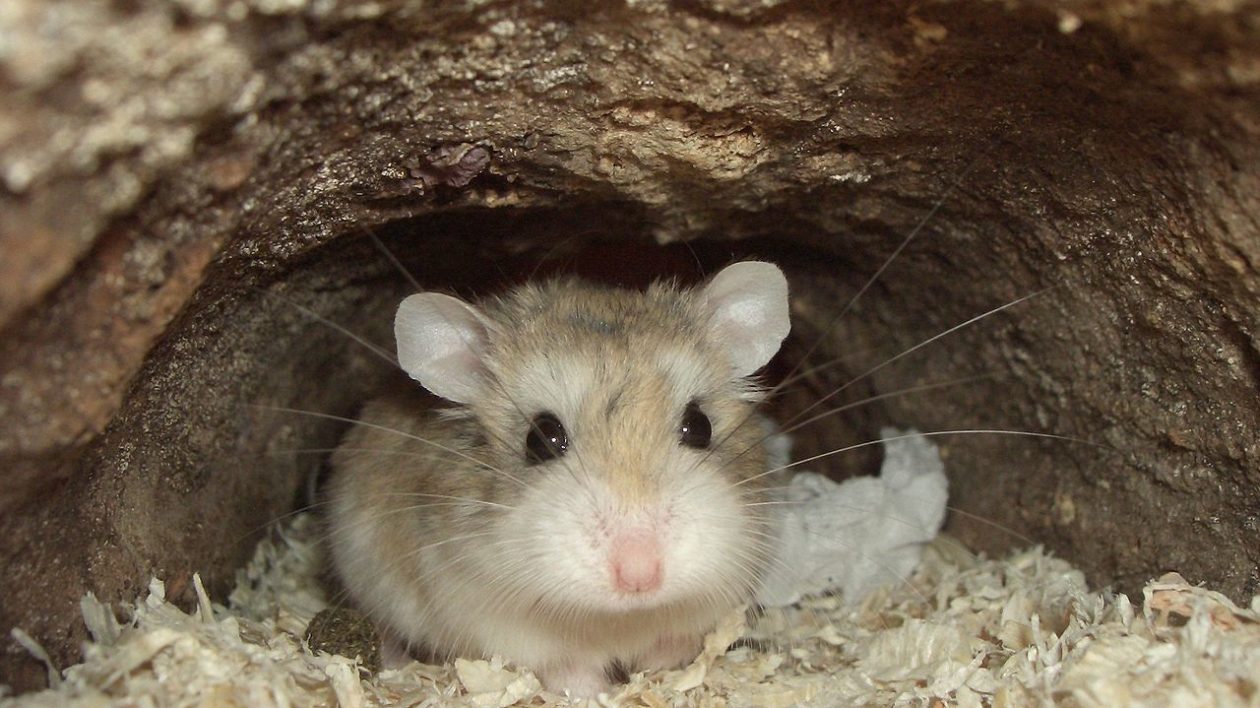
636	562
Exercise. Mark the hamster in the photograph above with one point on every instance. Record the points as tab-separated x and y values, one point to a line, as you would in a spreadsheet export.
582	506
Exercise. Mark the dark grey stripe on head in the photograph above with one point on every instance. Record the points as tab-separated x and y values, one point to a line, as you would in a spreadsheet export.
614	401
586	320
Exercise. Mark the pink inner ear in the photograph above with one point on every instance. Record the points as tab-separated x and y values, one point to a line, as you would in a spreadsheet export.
441	343
749	315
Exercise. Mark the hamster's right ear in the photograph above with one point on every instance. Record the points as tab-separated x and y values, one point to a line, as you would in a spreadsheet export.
442	343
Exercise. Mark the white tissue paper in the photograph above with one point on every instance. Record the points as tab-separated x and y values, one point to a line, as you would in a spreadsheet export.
857	535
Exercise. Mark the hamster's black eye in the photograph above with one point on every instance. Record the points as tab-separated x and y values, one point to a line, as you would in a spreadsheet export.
695	431
546	439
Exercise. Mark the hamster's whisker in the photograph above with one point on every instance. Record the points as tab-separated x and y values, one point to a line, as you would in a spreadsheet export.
762	544
762	553
380	245
455	560
880	397
749	563
848	356
275	522
339	599
870	512
961	512
373	450
775	488
410	558
376	349
332	531
914	232
387	429
460	558
874	369
862	402
992	524
469	500
930	434
902	579
438	570
517	578
536	588
916	347
454	539
433	505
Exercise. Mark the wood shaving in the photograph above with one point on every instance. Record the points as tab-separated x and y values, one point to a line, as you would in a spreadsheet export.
963	630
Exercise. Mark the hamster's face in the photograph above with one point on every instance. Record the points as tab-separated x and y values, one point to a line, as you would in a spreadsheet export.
623	460
639	466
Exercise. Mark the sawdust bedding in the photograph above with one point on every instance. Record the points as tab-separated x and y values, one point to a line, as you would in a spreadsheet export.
963	630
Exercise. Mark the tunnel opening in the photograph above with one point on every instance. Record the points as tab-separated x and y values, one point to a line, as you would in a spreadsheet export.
1103	168
840	356
474	254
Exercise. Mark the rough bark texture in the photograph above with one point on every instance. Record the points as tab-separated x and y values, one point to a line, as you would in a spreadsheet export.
183	183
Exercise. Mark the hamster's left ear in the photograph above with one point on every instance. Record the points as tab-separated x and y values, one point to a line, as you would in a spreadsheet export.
747	304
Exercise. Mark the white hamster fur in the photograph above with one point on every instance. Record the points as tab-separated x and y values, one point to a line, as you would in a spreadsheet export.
583	503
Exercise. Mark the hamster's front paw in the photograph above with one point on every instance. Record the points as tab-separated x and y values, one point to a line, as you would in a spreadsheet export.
671	652
580	680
